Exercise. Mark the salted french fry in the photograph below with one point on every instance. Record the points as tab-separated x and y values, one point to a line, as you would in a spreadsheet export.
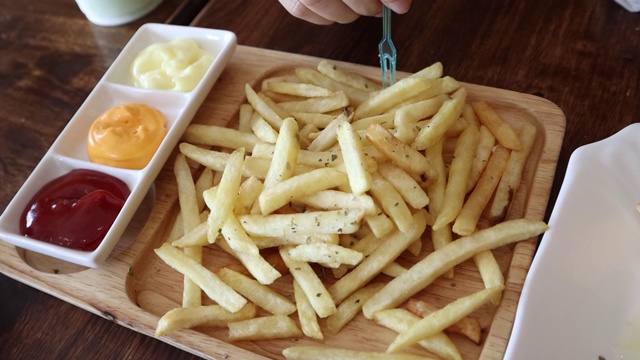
467	326
285	154
384	254
283	192
385	120
379	223
504	133
354	158
330	255
473	207
318	120
313	222
314	352
323	104
263	242
310	284
393	95
259	294
298	89
221	206
457	180
306	314
257	265
486	143
259	105
236	236
443	318
336	200
401	154
195	237
406	186
408	115
350	307
215	288
352	79
208	315
356	96
264	328
401	320
248	194
448	113
219	136
244	117
510	180
327	137
394	269
438	262
391	202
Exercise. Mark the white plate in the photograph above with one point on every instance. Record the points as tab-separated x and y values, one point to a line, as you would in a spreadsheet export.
581	299
68	152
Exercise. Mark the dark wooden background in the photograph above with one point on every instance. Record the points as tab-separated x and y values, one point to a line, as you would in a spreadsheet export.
583	55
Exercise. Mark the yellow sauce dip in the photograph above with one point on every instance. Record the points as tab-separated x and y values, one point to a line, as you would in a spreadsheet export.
126	136
178	65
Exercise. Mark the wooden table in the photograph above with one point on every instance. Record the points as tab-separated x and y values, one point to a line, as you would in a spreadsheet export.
582	55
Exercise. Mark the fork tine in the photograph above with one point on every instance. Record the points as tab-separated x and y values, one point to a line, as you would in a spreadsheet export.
387	51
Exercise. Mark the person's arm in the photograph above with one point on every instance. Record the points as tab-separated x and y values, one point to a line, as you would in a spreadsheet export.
325	12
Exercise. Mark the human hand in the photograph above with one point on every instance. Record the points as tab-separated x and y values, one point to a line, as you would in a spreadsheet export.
325	12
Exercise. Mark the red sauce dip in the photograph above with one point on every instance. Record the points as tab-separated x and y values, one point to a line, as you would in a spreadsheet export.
75	210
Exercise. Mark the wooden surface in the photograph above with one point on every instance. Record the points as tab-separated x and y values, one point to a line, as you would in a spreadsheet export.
134	288
582	55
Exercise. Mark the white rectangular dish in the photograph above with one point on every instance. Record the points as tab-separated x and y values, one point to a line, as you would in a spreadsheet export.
116	87
581	299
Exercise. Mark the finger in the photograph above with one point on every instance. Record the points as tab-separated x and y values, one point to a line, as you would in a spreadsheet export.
365	8
301	11
398	6
335	10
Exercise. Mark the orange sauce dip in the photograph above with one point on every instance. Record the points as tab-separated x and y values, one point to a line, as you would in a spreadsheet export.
126	136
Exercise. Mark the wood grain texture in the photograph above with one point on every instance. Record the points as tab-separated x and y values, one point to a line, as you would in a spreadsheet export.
135	288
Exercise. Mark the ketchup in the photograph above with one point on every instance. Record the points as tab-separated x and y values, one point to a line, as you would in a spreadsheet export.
75	210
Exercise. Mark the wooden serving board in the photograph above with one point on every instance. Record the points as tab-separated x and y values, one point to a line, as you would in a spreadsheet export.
134	288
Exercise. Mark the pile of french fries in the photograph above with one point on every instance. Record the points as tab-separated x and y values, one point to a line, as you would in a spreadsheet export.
339	175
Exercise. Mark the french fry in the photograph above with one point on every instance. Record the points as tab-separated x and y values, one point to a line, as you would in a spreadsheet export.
350	307
221	206
401	154
346	77
391	202
318	120
281	193
327	137
197	316
469	215
408	115
458	174
259	105
285	154
310	284
257	266
351	149
486	143
244	118
406	186
215	288
264	328
314	352
329	255
400	320
298	89
262	129
212	135
448	113
306	314
443	318
190	219
321	105
394	269
504	133
438	262
257	293
313	222
395	94
510	180
313	76
263	242
384	254
336	200
236	236
467	326
248	194
490	272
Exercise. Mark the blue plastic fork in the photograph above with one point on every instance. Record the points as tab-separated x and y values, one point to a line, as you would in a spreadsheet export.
387	51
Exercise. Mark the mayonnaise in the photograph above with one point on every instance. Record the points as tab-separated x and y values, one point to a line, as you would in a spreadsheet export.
178	66
126	136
